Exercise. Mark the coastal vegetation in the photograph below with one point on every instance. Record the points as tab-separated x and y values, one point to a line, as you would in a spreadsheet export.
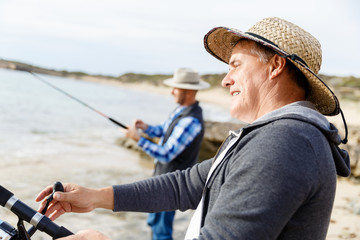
156	79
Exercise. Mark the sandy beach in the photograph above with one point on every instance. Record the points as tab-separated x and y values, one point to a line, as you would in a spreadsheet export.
98	168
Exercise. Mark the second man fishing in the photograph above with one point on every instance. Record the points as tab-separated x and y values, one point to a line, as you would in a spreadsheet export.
180	139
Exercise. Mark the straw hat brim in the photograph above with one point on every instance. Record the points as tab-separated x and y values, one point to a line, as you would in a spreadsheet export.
220	41
198	86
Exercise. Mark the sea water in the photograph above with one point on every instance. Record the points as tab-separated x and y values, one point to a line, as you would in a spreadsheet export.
37	119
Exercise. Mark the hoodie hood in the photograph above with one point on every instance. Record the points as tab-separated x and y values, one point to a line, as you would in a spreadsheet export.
305	111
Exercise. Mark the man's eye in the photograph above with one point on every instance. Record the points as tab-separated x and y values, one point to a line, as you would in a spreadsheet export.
235	66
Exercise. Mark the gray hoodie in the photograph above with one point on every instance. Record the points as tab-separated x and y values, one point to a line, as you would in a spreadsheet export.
277	182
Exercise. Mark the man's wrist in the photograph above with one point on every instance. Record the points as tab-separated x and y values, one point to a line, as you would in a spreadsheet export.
104	198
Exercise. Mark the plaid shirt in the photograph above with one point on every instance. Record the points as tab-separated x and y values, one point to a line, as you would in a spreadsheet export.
182	135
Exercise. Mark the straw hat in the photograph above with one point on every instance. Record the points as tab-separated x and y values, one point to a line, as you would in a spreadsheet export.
287	40
186	78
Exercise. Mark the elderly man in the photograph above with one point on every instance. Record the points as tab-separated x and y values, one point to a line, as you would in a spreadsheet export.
274	178
180	139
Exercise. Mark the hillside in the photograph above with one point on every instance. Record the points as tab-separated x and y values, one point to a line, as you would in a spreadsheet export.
155	79
344	87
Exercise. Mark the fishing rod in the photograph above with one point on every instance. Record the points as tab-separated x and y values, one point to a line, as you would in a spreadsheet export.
76	99
25	69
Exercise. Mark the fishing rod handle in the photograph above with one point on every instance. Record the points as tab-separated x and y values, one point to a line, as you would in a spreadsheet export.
117	123
26	213
57	187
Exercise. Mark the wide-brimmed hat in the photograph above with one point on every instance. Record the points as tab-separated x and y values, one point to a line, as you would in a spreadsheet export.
186	78
288	40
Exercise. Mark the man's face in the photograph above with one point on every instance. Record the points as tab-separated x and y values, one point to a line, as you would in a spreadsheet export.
246	82
179	95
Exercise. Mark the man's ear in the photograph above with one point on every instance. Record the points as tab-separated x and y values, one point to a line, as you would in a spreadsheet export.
277	66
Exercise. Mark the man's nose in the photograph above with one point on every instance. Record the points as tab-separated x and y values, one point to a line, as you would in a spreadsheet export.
228	80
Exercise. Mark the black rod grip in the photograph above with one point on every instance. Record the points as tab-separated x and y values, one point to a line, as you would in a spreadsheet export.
5	195
62	232
51	228
117	123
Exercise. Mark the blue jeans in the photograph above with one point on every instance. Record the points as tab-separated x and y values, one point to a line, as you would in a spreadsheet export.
161	224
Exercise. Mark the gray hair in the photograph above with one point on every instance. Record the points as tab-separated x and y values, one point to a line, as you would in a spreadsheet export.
265	54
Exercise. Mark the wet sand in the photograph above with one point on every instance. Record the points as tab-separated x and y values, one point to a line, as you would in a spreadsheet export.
113	164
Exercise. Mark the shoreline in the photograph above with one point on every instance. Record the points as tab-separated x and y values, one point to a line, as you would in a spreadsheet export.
206	96
220	97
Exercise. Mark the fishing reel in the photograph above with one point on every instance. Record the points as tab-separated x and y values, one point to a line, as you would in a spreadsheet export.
7	232
25	213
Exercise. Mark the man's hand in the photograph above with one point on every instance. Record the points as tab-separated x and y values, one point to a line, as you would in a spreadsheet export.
75	199
139	124
132	131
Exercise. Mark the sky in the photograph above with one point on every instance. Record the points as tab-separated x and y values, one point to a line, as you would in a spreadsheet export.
113	37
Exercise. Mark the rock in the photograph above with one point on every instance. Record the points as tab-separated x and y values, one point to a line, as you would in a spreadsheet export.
216	132
353	148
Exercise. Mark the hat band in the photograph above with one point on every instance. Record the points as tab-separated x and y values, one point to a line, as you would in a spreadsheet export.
293	57
184	82
262	38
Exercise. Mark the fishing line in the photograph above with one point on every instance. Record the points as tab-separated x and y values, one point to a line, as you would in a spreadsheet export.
78	100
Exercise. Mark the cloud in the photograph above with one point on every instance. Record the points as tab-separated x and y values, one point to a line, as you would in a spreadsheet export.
154	36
